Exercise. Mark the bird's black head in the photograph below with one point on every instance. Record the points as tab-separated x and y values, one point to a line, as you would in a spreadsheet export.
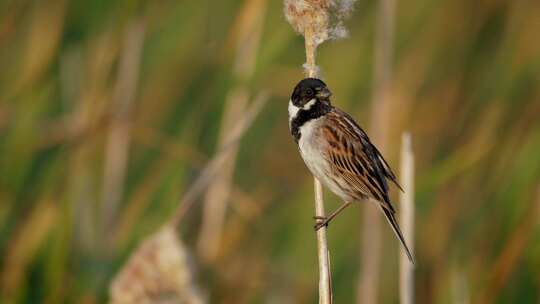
308	89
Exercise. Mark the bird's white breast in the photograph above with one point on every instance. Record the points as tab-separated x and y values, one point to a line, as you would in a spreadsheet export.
310	147
307	144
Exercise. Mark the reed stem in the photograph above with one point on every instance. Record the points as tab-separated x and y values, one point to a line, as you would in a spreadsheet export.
325	290
406	198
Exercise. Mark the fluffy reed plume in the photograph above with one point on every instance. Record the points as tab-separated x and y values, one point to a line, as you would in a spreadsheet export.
318	21
406	199
159	272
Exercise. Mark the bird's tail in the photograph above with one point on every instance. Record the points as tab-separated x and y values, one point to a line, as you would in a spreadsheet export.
392	221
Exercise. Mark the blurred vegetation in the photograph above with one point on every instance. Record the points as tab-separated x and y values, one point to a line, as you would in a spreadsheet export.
466	84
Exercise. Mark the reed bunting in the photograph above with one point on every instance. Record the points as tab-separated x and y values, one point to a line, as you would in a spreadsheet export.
339	153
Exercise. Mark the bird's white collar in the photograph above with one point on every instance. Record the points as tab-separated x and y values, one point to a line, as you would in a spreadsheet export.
293	110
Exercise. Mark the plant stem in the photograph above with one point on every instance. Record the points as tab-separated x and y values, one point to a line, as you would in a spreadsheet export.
310	53
211	169
325	290
119	137
406	198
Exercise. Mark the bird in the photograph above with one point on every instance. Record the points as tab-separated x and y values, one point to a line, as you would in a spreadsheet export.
340	154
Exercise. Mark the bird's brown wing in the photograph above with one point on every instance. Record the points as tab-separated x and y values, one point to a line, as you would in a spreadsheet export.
356	159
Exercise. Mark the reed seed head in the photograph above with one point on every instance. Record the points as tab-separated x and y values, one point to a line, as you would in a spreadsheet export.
322	18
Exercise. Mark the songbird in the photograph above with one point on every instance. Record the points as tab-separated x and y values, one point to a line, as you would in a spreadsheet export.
339	153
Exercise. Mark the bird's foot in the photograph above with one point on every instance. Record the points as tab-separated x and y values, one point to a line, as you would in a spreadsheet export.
321	221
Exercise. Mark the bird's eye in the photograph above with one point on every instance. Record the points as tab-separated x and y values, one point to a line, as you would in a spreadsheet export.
309	92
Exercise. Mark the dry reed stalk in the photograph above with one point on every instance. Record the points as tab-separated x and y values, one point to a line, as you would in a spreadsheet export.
312	19
460	287
217	196
86	105
311	22
371	231
116	150
215	164
44	36
371	246
325	276
79	184
406	198
247	32
22	247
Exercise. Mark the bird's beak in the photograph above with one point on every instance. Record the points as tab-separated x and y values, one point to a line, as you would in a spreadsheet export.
324	93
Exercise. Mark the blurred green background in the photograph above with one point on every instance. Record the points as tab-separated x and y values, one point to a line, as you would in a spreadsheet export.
110	109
